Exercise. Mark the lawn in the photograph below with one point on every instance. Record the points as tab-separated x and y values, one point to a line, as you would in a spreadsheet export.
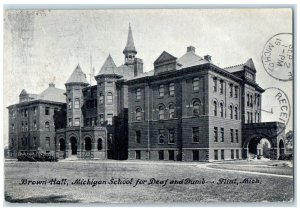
268	188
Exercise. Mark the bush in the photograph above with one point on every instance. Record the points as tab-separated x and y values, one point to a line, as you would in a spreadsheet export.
286	157
39	157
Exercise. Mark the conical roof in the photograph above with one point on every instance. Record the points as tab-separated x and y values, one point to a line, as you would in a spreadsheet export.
77	76
109	67
250	63
130	44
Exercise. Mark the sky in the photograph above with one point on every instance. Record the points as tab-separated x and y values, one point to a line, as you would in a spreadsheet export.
45	46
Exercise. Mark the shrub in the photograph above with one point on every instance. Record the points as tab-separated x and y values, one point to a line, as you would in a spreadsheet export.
38	157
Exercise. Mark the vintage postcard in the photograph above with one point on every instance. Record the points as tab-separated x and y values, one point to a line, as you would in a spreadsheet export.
147	106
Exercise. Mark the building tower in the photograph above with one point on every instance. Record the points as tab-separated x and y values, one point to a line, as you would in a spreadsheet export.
129	50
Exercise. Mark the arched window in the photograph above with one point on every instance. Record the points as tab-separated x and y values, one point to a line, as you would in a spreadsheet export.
109	98
47	125
88	144
62	145
99	144
236	113
215	108
171	111
76	103
138	115
231	111
221	110
161	109
196	108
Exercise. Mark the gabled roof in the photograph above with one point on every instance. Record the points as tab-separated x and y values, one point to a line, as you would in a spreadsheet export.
109	67
77	76
164	57
249	63
126	72
190	59
130	44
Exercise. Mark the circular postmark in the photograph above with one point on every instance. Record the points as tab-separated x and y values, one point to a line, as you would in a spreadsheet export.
277	56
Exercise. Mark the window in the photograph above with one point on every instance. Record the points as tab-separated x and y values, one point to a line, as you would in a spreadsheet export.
248	117
195	155
251	101
138	154
215	134
237	136
47	110
47	125
77	122
12	126
138	136
231	135
171	155
195	134
109	119
22	126
231	111
171	111
232	154
138	114
196	108
99	144
47	140
171	89
231	90
77	103
196	84
109	98
221	110
70	104
251	117
161	136
258	120
25	113
161	91
221	86
222	154
34	111
222	134
236	113
236	92
258	100
237	154
248	99
138	94
215	84
70	122
215	108
216	157
101	119
101	99
160	154
161	112
171	136
26	126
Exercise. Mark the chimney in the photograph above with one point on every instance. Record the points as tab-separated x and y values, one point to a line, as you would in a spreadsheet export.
191	49
51	84
207	58
138	66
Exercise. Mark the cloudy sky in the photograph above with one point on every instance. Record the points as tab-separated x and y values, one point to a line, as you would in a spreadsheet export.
45	46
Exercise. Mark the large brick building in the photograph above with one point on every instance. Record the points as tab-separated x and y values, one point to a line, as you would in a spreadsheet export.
186	109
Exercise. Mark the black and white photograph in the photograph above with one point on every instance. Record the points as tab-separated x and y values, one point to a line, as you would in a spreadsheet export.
147	106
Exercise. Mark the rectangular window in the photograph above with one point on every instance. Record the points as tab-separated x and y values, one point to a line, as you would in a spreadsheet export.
138	136
34	111
161	136
87	122
47	142
216	156
248	100
231	90
232	154
77	122
70	104
70	122
258	100
171	155
161	91
215	84
237	154
26	126
171	89
12	126
138	94
138	154
222	154
237	136
215	134
47	110
109	119
231	135
101	99
222	134
196	155
161	155
196	84
171	136
196	134
25	113
109	98
236	91
101	118
248	117
221	86
76	103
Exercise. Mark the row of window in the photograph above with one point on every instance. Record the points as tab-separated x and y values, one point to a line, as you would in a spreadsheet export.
221	87
234	135
250	102
250	118
24	112
25	142
216	154
92	121
24	126
232	110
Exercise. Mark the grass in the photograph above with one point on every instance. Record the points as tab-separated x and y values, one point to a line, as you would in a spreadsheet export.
273	189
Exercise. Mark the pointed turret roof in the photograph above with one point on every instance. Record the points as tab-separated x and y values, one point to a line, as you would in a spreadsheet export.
130	44
249	63
77	76
109	67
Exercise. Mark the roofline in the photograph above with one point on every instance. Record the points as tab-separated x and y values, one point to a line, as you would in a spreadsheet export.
76	83
34	102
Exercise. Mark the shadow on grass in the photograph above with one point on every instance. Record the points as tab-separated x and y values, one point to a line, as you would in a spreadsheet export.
41	199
